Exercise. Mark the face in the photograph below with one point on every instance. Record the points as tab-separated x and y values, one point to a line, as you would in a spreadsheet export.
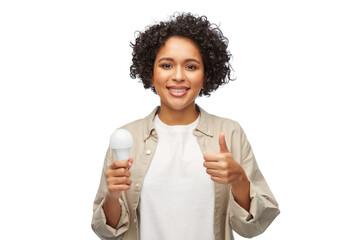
178	74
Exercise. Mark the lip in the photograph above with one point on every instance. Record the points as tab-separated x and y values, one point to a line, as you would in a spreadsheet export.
178	91
177	87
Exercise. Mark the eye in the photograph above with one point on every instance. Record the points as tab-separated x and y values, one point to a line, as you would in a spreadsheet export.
166	66
191	67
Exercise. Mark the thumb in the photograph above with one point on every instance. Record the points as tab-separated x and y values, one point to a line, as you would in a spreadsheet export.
130	162
222	143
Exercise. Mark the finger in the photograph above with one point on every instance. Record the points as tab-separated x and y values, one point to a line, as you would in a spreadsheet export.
213	157
211	165
119	164
222	143
119	172
120	181
130	162
115	188
218	180
214	173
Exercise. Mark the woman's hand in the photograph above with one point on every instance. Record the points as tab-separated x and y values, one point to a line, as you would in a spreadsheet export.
118	180
223	169
118	177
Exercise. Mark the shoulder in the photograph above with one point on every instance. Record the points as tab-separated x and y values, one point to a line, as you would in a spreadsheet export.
220	123
141	127
224	121
136	129
134	124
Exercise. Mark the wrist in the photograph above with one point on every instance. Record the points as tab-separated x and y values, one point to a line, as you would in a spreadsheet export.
112	210
112	196
240	189
241	182
241	179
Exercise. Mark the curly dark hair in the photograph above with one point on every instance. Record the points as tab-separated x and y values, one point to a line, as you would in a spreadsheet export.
208	37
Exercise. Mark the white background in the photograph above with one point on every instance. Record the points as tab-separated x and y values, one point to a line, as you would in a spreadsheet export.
65	86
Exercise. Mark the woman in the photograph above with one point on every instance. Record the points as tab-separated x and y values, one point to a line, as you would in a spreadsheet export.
191	175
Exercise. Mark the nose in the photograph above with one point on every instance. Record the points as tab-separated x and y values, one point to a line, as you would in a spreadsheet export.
178	74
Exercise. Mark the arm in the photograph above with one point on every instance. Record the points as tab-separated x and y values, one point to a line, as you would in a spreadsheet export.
240	189
117	180
224	169
263	207
112	211
109	225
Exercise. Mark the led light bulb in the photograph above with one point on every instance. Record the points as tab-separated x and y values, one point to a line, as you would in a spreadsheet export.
121	142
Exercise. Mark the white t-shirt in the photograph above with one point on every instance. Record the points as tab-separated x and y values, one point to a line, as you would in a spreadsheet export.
177	195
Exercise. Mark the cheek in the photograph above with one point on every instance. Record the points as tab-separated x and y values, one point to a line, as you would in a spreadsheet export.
198	81
159	77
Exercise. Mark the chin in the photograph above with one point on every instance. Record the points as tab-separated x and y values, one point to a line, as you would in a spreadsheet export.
179	106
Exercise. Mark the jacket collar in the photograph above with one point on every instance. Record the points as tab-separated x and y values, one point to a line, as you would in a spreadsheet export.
204	126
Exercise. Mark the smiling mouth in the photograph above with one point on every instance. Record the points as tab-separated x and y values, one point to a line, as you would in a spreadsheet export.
178	89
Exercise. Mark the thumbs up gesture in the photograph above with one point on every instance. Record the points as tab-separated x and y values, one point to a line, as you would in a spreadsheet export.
221	166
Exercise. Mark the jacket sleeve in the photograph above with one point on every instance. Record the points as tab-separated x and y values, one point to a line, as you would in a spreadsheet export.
98	223
263	206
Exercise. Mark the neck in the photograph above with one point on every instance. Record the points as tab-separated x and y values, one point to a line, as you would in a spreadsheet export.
185	116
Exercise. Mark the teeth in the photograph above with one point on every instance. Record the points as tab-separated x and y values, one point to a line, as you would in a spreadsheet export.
177	90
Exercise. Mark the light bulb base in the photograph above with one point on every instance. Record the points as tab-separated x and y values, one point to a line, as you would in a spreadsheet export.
122	154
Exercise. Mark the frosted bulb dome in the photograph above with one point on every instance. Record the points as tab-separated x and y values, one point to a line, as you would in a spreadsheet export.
121	138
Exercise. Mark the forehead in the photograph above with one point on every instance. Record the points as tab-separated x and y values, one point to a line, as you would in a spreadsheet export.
179	48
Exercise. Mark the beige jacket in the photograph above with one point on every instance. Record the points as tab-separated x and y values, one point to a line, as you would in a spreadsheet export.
228	215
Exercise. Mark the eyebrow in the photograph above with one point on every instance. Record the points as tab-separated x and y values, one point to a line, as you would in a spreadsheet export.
171	59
